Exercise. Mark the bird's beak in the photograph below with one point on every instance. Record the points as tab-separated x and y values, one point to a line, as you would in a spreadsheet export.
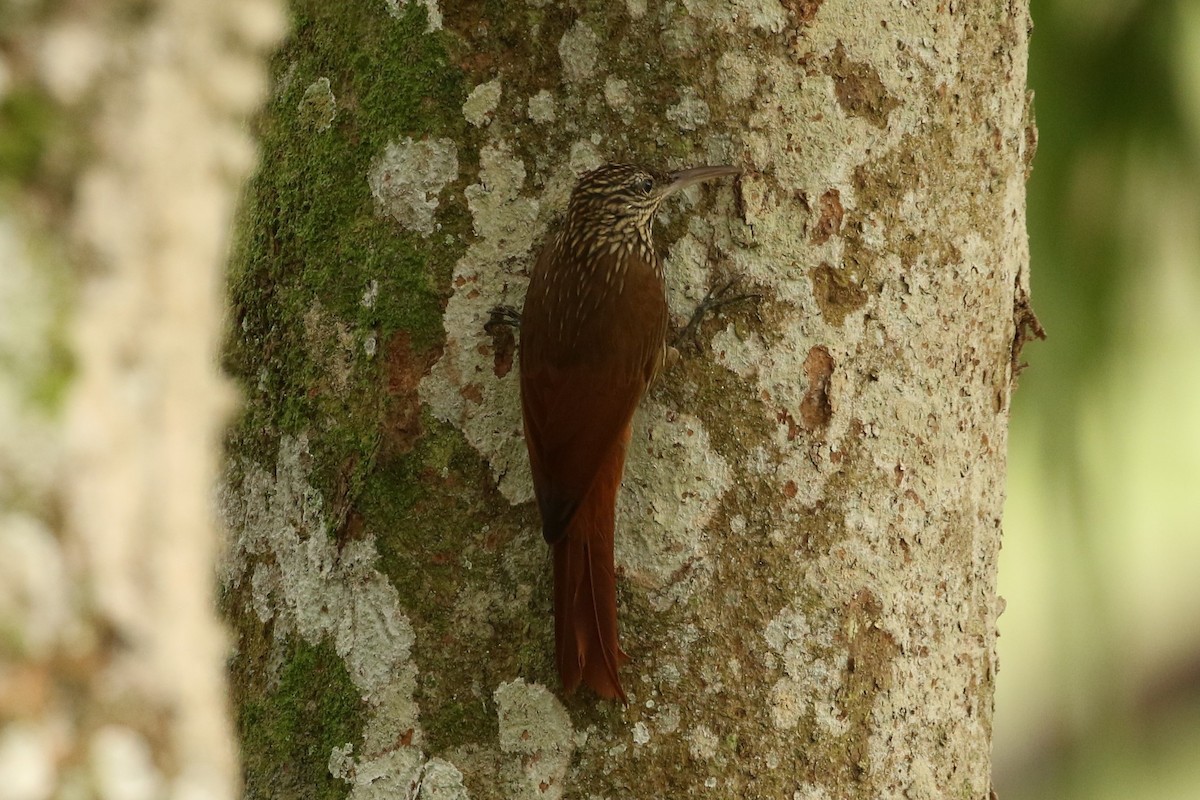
686	177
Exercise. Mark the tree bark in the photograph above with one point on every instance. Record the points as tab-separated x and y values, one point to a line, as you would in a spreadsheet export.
811	512
122	155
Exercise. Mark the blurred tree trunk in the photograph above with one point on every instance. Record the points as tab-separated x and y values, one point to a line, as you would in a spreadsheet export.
122	154
811	512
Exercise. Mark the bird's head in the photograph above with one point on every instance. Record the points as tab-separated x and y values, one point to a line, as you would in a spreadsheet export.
621	199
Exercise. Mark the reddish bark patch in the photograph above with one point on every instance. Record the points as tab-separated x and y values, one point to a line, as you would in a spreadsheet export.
785	417
504	347
473	392
351	528
403	369
802	11
830	221
859	90
816	408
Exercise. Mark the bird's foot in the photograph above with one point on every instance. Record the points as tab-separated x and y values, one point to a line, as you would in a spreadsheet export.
716	299
502	316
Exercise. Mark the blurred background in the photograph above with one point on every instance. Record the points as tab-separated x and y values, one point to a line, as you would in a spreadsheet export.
1099	685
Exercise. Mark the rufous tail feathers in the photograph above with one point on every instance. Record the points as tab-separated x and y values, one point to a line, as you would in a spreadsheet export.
585	590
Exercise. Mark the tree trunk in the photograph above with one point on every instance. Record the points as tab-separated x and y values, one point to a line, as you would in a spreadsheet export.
810	517
122	155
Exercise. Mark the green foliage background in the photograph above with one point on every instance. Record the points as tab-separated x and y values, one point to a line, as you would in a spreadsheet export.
1099	689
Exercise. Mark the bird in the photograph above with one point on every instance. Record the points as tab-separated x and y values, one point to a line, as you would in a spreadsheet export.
593	337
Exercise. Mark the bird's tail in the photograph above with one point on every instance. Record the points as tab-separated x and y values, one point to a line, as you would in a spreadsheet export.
585	589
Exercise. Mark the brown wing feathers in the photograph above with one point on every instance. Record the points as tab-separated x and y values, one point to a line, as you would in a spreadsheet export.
579	389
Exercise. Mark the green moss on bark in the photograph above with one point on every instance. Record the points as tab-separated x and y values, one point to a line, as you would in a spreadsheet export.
313	356
303	341
288	733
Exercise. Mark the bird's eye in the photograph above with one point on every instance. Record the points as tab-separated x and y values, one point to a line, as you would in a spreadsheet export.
646	185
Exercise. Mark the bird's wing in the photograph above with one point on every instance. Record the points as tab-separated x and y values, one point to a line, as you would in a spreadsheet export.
574	418
579	389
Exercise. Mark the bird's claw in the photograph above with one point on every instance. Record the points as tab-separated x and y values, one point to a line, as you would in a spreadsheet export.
506	316
716	298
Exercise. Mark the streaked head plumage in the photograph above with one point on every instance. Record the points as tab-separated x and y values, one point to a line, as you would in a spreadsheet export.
617	195
620	200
